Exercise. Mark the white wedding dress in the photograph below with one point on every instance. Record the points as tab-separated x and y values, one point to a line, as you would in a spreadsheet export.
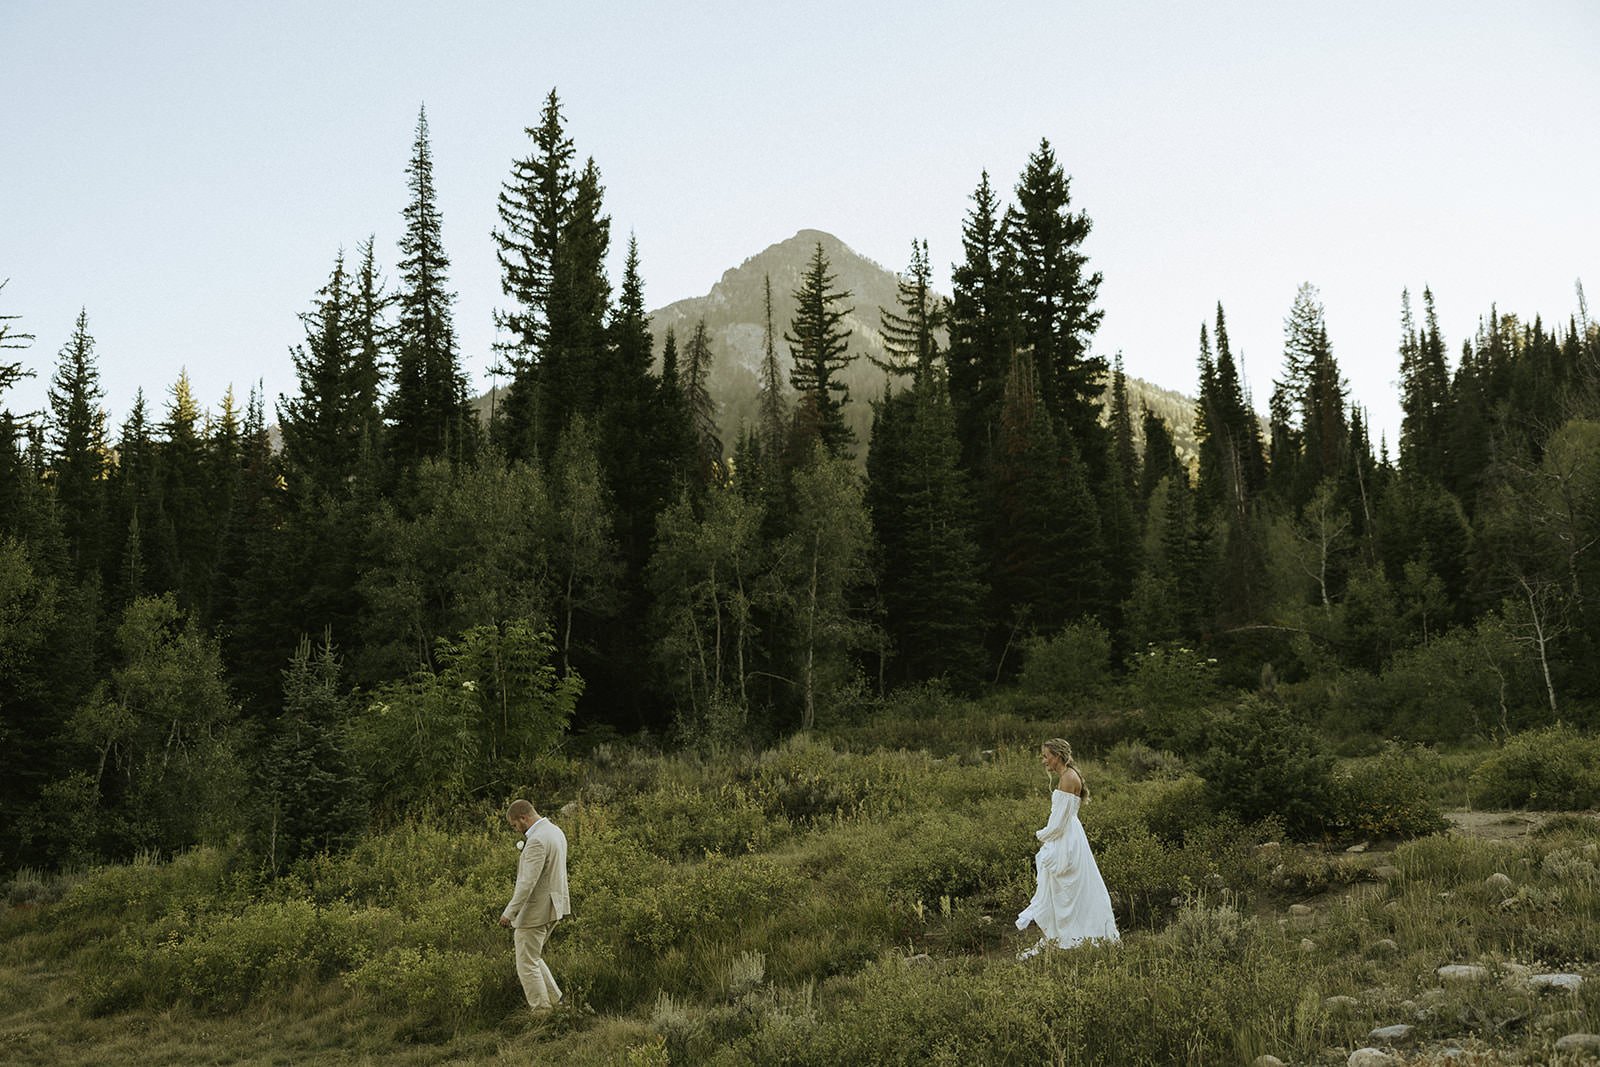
1071	903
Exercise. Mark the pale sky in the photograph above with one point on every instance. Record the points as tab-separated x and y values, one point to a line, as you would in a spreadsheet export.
186	172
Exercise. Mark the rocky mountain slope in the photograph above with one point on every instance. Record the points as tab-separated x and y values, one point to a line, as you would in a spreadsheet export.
734	313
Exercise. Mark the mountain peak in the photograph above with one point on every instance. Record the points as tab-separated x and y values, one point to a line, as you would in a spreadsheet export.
734	312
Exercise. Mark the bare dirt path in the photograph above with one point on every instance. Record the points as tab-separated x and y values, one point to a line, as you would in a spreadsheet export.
1504	826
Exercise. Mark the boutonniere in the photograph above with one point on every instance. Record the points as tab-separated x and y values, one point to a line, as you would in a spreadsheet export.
524	841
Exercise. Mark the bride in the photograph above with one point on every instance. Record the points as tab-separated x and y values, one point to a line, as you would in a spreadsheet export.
1071	903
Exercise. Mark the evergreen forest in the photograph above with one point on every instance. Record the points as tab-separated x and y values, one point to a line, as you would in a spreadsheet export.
285	621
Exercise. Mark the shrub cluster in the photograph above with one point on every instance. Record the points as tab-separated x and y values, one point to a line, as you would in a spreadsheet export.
1551	769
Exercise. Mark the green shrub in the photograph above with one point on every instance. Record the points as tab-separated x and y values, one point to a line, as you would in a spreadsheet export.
1384	797
197	880
684	823
1207	933
223	962
1143	873
1069	665
1139	761
1263	761
447	988
658	910
806	780
1172	684
1551	769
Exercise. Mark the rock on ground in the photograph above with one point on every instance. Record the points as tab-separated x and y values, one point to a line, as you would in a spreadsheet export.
1579	1043
1370	1057
1392	1035
1462	972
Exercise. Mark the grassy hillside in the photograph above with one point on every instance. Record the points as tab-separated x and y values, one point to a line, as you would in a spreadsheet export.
834	900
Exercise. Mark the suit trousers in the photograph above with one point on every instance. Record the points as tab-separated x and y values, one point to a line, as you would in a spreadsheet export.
538	984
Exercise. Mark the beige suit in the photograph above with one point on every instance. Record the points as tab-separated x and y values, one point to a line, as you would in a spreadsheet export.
539	899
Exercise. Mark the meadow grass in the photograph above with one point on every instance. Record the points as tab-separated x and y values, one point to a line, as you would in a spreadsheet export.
831	900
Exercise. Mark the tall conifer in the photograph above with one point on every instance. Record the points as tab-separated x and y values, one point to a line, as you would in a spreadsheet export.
1055	298
820	346
429	409
78	448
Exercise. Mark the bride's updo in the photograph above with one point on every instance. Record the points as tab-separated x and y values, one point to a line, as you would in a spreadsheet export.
1061	748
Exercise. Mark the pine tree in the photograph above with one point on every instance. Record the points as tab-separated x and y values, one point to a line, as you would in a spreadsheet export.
370	361
141	563
702	408
674	424
79	450
323	426
253	616
820	347
185	515
571	372
1046	556
910	333
534	206
12	477
429	411
637	468
553	240
774	418
923	514
309	789
1160	457
982	328
1055	298
1119	498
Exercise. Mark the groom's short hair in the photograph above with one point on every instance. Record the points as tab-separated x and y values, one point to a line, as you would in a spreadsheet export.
519	809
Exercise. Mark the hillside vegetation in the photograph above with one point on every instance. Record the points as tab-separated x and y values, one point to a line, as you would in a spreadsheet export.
847	898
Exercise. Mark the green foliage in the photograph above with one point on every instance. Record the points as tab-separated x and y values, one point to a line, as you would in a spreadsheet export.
167	769
310	795
820	563
1469	682
1385	797
1173	684
1551	769
472	548
445	988
195	881
680	822
1262	760
222	962
1071	664
494	704
708	577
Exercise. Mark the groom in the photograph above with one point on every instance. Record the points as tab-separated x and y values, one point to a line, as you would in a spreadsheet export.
539	899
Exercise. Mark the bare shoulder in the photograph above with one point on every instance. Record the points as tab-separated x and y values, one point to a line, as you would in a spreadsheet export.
1070	782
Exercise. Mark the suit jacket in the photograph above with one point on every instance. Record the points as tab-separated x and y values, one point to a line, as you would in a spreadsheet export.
541	893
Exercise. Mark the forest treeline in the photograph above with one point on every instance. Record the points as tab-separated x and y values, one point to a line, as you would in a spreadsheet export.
203	635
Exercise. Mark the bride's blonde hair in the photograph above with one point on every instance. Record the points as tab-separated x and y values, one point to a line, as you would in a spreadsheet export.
1061	748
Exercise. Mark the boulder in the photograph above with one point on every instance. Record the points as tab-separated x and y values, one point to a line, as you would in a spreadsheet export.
1557	983
1370	1057
1385	946
1579	1043
1399	1034
1340	1004
1307	945
1498	881
1386	872
1265	1060
1462	972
